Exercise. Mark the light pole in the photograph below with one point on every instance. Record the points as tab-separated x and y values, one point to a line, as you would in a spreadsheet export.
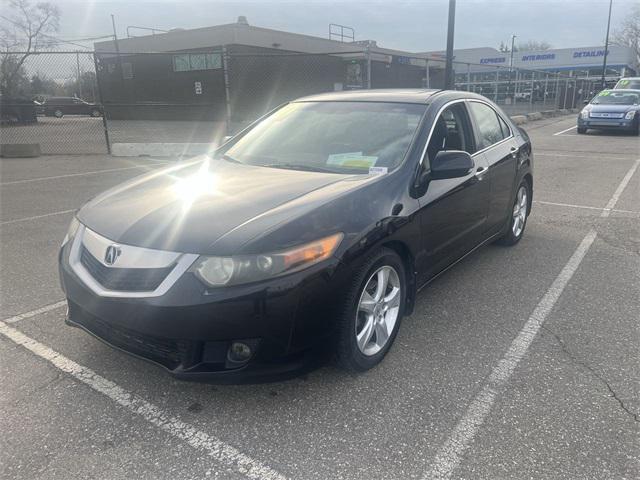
448	70
606	48
513	40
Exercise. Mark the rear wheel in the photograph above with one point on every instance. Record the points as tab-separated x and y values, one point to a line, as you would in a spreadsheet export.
373	308
582	130
518	217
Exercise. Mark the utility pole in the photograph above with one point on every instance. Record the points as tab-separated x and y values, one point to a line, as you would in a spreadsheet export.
606	48
448	71
115	42
513	42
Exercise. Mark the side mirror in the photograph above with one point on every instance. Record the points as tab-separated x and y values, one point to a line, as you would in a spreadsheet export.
451	164
227	138
586	102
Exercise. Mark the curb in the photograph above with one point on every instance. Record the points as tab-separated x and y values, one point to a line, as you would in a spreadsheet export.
533	116
20	150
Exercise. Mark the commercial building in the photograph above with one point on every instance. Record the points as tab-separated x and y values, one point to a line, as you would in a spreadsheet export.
237	71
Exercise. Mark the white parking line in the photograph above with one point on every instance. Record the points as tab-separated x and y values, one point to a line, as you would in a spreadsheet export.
94	172
25	219
228	456
33	313
571	205
616	196
450	454
563	131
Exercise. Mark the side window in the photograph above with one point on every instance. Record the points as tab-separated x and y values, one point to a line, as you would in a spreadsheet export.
506	131
490	131
451	132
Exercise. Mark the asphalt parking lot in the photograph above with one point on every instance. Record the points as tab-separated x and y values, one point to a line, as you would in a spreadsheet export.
518	363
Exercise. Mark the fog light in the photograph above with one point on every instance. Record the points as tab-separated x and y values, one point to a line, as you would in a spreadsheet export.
239	352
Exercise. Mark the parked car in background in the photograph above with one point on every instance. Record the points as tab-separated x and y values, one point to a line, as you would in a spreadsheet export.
61	106
632	83
612	110
303	232
20	110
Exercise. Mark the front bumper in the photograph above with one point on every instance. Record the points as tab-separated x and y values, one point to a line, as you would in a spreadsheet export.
607	123
189	329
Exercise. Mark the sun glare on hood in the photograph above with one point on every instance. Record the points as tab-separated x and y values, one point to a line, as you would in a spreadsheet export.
203	182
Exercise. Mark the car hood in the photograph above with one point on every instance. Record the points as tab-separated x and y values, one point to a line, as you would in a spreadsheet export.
191	207
613	108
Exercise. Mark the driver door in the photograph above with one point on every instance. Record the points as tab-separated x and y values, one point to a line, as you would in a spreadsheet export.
453	212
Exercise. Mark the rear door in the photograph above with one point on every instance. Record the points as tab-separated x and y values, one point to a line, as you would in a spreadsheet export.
496	141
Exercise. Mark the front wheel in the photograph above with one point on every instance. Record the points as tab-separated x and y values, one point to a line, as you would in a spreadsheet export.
58	113
370	317
95	112
518	216
582	130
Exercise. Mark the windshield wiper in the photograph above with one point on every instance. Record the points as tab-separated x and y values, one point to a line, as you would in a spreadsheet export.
299	166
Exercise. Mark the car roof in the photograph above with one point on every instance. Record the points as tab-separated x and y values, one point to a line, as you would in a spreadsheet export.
396	95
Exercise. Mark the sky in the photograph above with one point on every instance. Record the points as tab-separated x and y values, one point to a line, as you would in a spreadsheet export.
415	26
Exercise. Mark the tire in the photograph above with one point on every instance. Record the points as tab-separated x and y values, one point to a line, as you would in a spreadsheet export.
582	130
515	230
95	112
360	330
58	113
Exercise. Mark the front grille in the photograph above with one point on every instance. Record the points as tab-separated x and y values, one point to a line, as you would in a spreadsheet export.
124	279
169	353
606	115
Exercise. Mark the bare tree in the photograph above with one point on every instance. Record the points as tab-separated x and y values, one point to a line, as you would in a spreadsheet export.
628	35
533	45
23	29
529	45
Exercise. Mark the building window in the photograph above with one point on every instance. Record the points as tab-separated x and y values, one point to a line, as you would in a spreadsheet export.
196	61
127	71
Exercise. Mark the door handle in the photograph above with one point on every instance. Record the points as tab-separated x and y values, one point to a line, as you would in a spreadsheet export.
481	170
514	151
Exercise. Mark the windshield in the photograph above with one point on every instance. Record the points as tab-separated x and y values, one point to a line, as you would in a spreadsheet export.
626	83
611	97
338	137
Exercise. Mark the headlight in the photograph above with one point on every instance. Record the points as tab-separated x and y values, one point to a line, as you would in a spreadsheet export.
630	115
223	271
71	231
584	113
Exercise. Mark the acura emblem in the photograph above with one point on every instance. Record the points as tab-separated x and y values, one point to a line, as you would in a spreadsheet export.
112	254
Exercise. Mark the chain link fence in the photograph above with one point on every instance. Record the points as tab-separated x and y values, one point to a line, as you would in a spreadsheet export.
87	102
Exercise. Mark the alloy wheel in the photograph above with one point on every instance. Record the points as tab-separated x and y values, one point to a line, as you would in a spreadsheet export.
378	310
519	211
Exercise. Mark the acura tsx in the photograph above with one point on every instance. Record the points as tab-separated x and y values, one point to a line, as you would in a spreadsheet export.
310	231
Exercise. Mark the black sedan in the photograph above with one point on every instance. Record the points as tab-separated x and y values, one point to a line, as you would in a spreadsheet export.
60	106
311	231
